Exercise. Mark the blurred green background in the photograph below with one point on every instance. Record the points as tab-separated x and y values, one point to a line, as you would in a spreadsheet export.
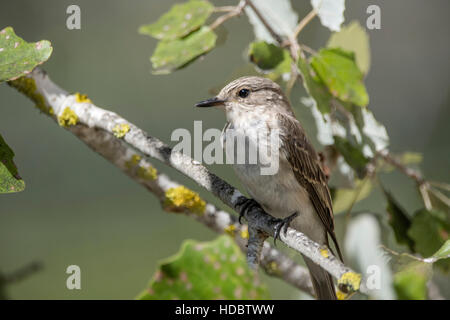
78	209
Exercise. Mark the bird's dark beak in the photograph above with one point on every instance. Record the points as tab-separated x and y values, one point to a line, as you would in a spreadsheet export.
210	102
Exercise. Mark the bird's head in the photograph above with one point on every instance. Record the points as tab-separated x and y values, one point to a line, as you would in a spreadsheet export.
249	94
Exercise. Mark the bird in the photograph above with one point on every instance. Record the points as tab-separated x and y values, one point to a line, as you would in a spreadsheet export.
297	193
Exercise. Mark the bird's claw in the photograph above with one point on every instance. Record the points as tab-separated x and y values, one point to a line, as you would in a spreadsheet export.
283	225
245	205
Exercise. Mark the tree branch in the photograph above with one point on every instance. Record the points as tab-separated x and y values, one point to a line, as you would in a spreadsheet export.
135	166
302	24
422	184
79	115
409	172
231	12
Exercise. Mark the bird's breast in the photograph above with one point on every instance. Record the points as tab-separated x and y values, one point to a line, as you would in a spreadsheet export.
279	193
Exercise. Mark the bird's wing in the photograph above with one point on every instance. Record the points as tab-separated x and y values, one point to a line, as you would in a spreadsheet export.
308	171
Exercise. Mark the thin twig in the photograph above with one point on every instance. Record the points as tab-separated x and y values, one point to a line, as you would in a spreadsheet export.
296	51
308	49
411	173
232	12
302	24
440	185
224	9
423	189
442	197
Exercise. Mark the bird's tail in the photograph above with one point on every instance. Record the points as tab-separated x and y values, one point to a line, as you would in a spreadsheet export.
321	280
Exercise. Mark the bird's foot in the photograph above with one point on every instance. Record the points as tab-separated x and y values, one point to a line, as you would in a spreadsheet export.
283	225
245	205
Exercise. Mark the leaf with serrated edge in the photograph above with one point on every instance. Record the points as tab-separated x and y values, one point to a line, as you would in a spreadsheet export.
315	89
330	12
353	37
10	181
271	60
337	69
265	55
179	21
175	54
18	57
206	271
443	252
428	231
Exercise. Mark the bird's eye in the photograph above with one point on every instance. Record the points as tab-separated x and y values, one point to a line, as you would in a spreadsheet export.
243	93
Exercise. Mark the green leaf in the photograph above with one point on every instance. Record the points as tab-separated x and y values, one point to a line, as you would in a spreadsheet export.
10	181
429	231
265	55
282	69
399	221
352	154
413	273
18	57
411	282
440	201
338	71
176	54
345	198
354	38
314	88
373	133
179	21
270	59
330	12
206	270
443	252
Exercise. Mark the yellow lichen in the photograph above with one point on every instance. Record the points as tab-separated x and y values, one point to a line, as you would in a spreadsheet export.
230	229
324	252
272	268
349	281
244	232
180	198
133	161
82	98
341	295
147	173
120	130
67	118
27	86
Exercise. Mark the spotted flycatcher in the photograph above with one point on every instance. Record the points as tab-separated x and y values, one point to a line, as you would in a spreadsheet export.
298	192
